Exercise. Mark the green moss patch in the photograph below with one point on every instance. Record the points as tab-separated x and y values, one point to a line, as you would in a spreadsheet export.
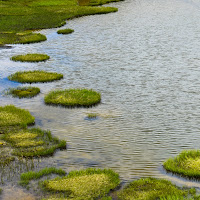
33	142
85	184
30	57
24	92
11	117
150	189
35	76
187	163
65	31
73	97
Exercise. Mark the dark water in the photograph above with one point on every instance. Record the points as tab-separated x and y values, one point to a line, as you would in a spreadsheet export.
145	61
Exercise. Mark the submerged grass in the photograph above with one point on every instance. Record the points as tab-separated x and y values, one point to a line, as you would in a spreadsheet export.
24	92
187	163
35	76
65	31
30	57
73	97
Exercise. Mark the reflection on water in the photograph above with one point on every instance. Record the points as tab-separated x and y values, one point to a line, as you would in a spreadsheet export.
145	62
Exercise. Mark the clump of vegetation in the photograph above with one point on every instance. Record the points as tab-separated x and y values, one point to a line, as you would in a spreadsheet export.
65	31
0	190
12	117
73	97
84	184
31	175
101	2
5	159
24	92
30	57
35	76
187	163
150	189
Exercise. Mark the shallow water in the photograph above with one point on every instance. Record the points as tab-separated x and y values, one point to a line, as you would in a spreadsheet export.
144	60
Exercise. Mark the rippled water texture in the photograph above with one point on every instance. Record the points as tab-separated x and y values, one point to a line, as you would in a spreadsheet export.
145	62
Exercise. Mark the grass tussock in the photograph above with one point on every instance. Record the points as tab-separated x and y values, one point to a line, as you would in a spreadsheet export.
92	116
65	31
84	184
73	97
35	76
187	163
10	116
31	58
6	159
24	92
101	2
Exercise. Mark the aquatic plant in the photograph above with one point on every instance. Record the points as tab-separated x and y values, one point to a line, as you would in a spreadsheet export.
101	2
35	76
84	184
92	116
187	163
150	189
65	31
73	97
24	92
5	159
30	57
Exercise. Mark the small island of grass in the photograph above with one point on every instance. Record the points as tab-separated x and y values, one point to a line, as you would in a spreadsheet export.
31	58
35	76
65	31
73	97
24	92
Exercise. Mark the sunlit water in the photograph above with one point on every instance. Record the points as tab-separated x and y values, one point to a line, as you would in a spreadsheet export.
145	61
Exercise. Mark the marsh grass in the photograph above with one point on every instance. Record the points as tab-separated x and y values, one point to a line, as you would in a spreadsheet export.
65	31
150	189
73	98
31	58
101	2
12	117
35	76
84	184
92	116
187	163
24	92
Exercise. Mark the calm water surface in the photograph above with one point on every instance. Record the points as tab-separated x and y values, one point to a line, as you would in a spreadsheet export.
145	61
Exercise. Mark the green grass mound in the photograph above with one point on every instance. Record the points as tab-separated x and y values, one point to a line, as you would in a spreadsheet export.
187	163
24	92
150	189
30	57
92	116
35	76
11	117
33	142
73	97
84	184
65	31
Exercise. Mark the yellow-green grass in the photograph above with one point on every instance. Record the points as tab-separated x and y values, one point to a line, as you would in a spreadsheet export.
6	159
24	92
73	97
33	142
84	184
0	190
150	189
31	57
92	116
65	31
35	76
11	116
187	163
101	2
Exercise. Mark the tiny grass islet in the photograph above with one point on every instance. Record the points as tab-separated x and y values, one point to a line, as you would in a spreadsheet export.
84	184
24	92
35	76
187	164
65	31
31	57
73	97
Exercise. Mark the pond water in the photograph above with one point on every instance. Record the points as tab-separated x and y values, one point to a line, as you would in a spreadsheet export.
144	60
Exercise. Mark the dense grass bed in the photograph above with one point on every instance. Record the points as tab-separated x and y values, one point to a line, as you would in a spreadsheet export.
65	31
187	163
30	57
35	76
24	92
73	97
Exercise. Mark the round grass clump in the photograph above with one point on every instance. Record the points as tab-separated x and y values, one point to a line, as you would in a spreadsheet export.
85	184
30	38
35	76
24	92
187	163
150	189
65	31
73	97
30	57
